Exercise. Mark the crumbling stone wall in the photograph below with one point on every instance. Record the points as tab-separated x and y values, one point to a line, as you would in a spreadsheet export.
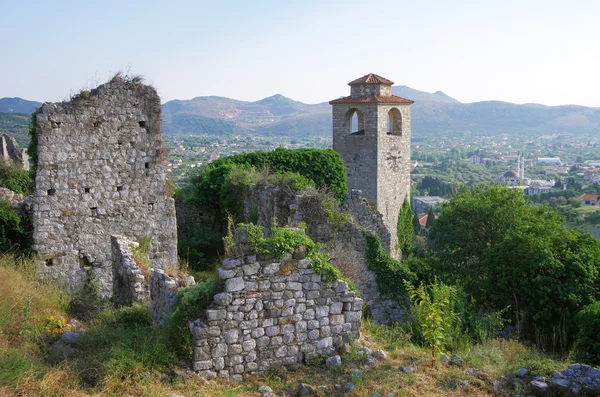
11	153
130	283
273	313
163	293
99	174
346	241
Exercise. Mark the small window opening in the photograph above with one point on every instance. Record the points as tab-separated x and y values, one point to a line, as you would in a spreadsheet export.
119	188
94	211
97	123
84	261
51	192
146	165
142	124
87	189
150	206
51	262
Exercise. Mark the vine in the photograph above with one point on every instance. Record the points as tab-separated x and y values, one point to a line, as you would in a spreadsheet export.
390	274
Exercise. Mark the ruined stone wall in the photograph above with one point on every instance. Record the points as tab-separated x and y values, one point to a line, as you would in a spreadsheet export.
273	313
11	153
99	174
163	293
130	283
345	242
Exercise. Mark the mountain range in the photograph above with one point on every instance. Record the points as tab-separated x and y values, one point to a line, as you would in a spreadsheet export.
432	114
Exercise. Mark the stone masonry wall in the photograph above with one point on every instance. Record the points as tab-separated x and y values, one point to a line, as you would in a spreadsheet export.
346	242
11	153
130	284
273	313
163	293
99	174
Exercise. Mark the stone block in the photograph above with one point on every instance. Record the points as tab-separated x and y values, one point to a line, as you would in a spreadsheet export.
234	284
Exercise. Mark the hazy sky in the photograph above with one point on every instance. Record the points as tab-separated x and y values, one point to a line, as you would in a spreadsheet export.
518	51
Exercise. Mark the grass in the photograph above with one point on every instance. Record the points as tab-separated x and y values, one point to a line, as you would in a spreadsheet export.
121	353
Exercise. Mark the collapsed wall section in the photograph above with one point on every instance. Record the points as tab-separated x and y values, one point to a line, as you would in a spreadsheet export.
99	174
273	313
345	241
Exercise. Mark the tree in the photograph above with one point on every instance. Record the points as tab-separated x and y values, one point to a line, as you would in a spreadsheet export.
416	224
547	275
405	227
504	250
430	218
477	219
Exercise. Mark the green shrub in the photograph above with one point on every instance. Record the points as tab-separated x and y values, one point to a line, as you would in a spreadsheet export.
587	344
191	304
136	314
285	240
15	179
15	230
390	274
433	313
322	166
87	303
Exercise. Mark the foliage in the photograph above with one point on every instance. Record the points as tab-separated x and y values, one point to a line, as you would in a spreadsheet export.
87	303
475	220
432	305
15	229
405	228
191	304
587	345
430	218
198	245
17	126
323	167
15	179
390	274
504	250
284	240
140	253
549	274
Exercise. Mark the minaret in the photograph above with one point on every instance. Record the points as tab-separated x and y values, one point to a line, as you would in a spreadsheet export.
522	174
376	151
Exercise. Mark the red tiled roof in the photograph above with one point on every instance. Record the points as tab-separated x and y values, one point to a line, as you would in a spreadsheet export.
372	99
371	78
589	197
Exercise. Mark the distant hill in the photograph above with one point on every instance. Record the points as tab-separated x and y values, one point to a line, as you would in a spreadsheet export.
432	114
16	125
18	105
275	115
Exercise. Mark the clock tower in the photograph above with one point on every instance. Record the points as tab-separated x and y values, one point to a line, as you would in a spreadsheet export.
371	131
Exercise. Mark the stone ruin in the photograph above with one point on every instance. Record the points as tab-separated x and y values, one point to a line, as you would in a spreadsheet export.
12	154
273	313
345	242
99	175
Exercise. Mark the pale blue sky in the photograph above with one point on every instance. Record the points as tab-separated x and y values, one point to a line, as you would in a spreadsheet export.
519	51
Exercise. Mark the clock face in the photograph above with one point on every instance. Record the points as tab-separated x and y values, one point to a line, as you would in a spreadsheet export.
393	158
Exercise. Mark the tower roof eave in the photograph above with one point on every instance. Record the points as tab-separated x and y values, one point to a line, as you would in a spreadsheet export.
392	99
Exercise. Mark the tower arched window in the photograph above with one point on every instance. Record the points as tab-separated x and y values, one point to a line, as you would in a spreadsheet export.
394	122
355	121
